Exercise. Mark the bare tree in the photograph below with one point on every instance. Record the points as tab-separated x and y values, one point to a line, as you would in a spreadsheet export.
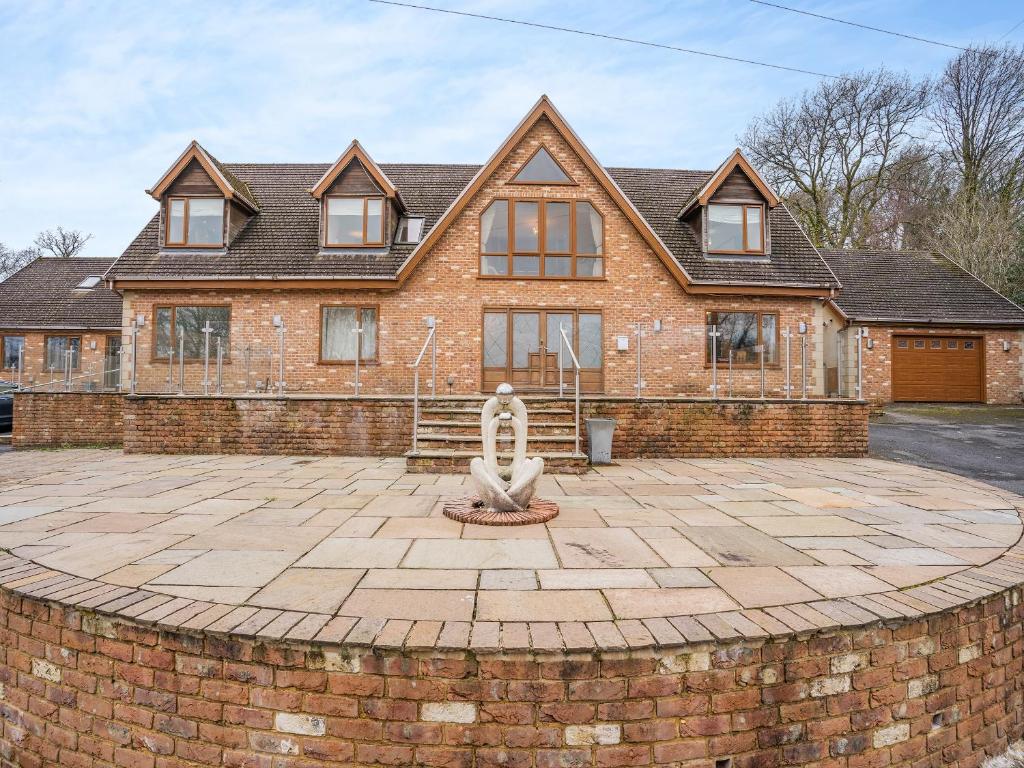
64	243
837	151
11	261
979	113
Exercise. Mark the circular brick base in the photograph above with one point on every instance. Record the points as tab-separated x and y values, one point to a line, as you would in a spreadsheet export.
470	509
82	688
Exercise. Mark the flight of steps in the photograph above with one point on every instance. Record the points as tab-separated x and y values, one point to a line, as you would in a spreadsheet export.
449	436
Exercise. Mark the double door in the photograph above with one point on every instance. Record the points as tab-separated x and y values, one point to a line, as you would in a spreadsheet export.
522	346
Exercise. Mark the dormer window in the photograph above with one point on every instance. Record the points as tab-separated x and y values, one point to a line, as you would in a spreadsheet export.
90	282
410	229
736	229
195	221
355	221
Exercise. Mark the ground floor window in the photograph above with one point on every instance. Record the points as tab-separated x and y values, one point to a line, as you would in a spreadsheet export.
521	346
348	331
57	348
11	351
181	330
741	336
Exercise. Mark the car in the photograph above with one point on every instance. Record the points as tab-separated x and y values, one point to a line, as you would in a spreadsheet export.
7	389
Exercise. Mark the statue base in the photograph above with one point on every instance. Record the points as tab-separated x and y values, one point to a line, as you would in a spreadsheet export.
470	509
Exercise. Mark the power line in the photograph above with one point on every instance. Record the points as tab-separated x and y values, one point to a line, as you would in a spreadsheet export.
1010	31
603	36
864	26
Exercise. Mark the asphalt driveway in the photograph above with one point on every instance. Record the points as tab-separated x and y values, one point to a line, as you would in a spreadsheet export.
982	442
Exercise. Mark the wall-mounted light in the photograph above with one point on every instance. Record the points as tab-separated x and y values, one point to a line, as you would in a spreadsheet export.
802	328
657	326
140	320
1006	346
276	321
429	321
92	344
871	343
451	383
622	343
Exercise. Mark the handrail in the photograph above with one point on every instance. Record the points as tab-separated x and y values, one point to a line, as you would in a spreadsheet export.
576	370
67	381
416	385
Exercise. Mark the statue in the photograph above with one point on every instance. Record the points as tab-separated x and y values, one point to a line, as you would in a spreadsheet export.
505	489
504	493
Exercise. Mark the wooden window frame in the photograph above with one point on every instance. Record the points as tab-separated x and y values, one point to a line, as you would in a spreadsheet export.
168	243
745	251
24	346
542	251
568	176
360	308
155	357
557	310
760	340
365	198
69	337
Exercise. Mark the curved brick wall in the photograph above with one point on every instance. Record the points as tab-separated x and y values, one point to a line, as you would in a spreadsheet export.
84	689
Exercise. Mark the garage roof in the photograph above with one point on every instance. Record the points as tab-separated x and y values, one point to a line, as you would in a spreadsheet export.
915	287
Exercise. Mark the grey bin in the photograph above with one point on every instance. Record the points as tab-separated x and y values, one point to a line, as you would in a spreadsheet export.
599	440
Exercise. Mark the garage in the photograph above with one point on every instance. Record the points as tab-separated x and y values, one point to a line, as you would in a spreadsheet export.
938	369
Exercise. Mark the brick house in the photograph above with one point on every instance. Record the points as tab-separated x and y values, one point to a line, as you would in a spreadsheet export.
55	310
355	259
500	257
934	332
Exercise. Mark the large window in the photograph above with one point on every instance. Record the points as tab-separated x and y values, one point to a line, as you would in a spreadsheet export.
742	334
181	329
346	332
195	221
57	349
355	221
541	238
736	228
11	351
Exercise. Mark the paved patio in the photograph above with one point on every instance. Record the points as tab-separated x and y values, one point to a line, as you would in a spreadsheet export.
332	543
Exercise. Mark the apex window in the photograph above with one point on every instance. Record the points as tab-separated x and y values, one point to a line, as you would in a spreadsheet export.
355	221
195	221
181	329
741	336
542	239
736	229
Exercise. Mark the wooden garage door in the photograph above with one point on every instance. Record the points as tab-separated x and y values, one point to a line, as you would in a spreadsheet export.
938	369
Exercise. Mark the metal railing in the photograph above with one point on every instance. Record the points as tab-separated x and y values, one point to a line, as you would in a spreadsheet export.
576	388
431	342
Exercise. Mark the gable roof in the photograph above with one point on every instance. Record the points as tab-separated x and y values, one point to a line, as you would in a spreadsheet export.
541	110
931	289
229	184
734	161
43	295
354	152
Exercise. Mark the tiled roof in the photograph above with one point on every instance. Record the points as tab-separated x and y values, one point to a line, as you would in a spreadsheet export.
281	241
916	287
43	294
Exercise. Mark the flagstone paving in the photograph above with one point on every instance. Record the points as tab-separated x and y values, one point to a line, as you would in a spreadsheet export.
325	546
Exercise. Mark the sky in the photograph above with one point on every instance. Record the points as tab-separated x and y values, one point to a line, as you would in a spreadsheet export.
97	100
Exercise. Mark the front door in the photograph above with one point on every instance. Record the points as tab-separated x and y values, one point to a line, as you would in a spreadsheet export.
112	363
522	347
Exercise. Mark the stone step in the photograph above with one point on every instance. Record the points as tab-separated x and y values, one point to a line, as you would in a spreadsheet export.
449	461
460	410
476	439
445	423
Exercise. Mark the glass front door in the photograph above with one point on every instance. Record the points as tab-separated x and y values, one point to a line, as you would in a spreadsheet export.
521	346
112	363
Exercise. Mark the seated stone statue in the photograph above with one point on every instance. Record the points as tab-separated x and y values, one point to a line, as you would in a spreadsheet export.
505	489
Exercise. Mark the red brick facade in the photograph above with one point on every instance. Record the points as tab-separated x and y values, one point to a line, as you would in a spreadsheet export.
86	691
446	284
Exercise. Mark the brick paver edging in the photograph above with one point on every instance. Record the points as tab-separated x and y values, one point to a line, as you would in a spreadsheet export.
94	675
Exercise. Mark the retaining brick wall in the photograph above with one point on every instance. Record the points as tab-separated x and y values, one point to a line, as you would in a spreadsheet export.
688	429
67	419
670	428
341	426
86	691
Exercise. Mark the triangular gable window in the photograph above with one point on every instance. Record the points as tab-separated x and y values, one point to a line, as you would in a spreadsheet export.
542	168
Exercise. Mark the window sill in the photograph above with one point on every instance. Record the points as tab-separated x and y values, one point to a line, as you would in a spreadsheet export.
745	366
352	363
190	360
563	278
